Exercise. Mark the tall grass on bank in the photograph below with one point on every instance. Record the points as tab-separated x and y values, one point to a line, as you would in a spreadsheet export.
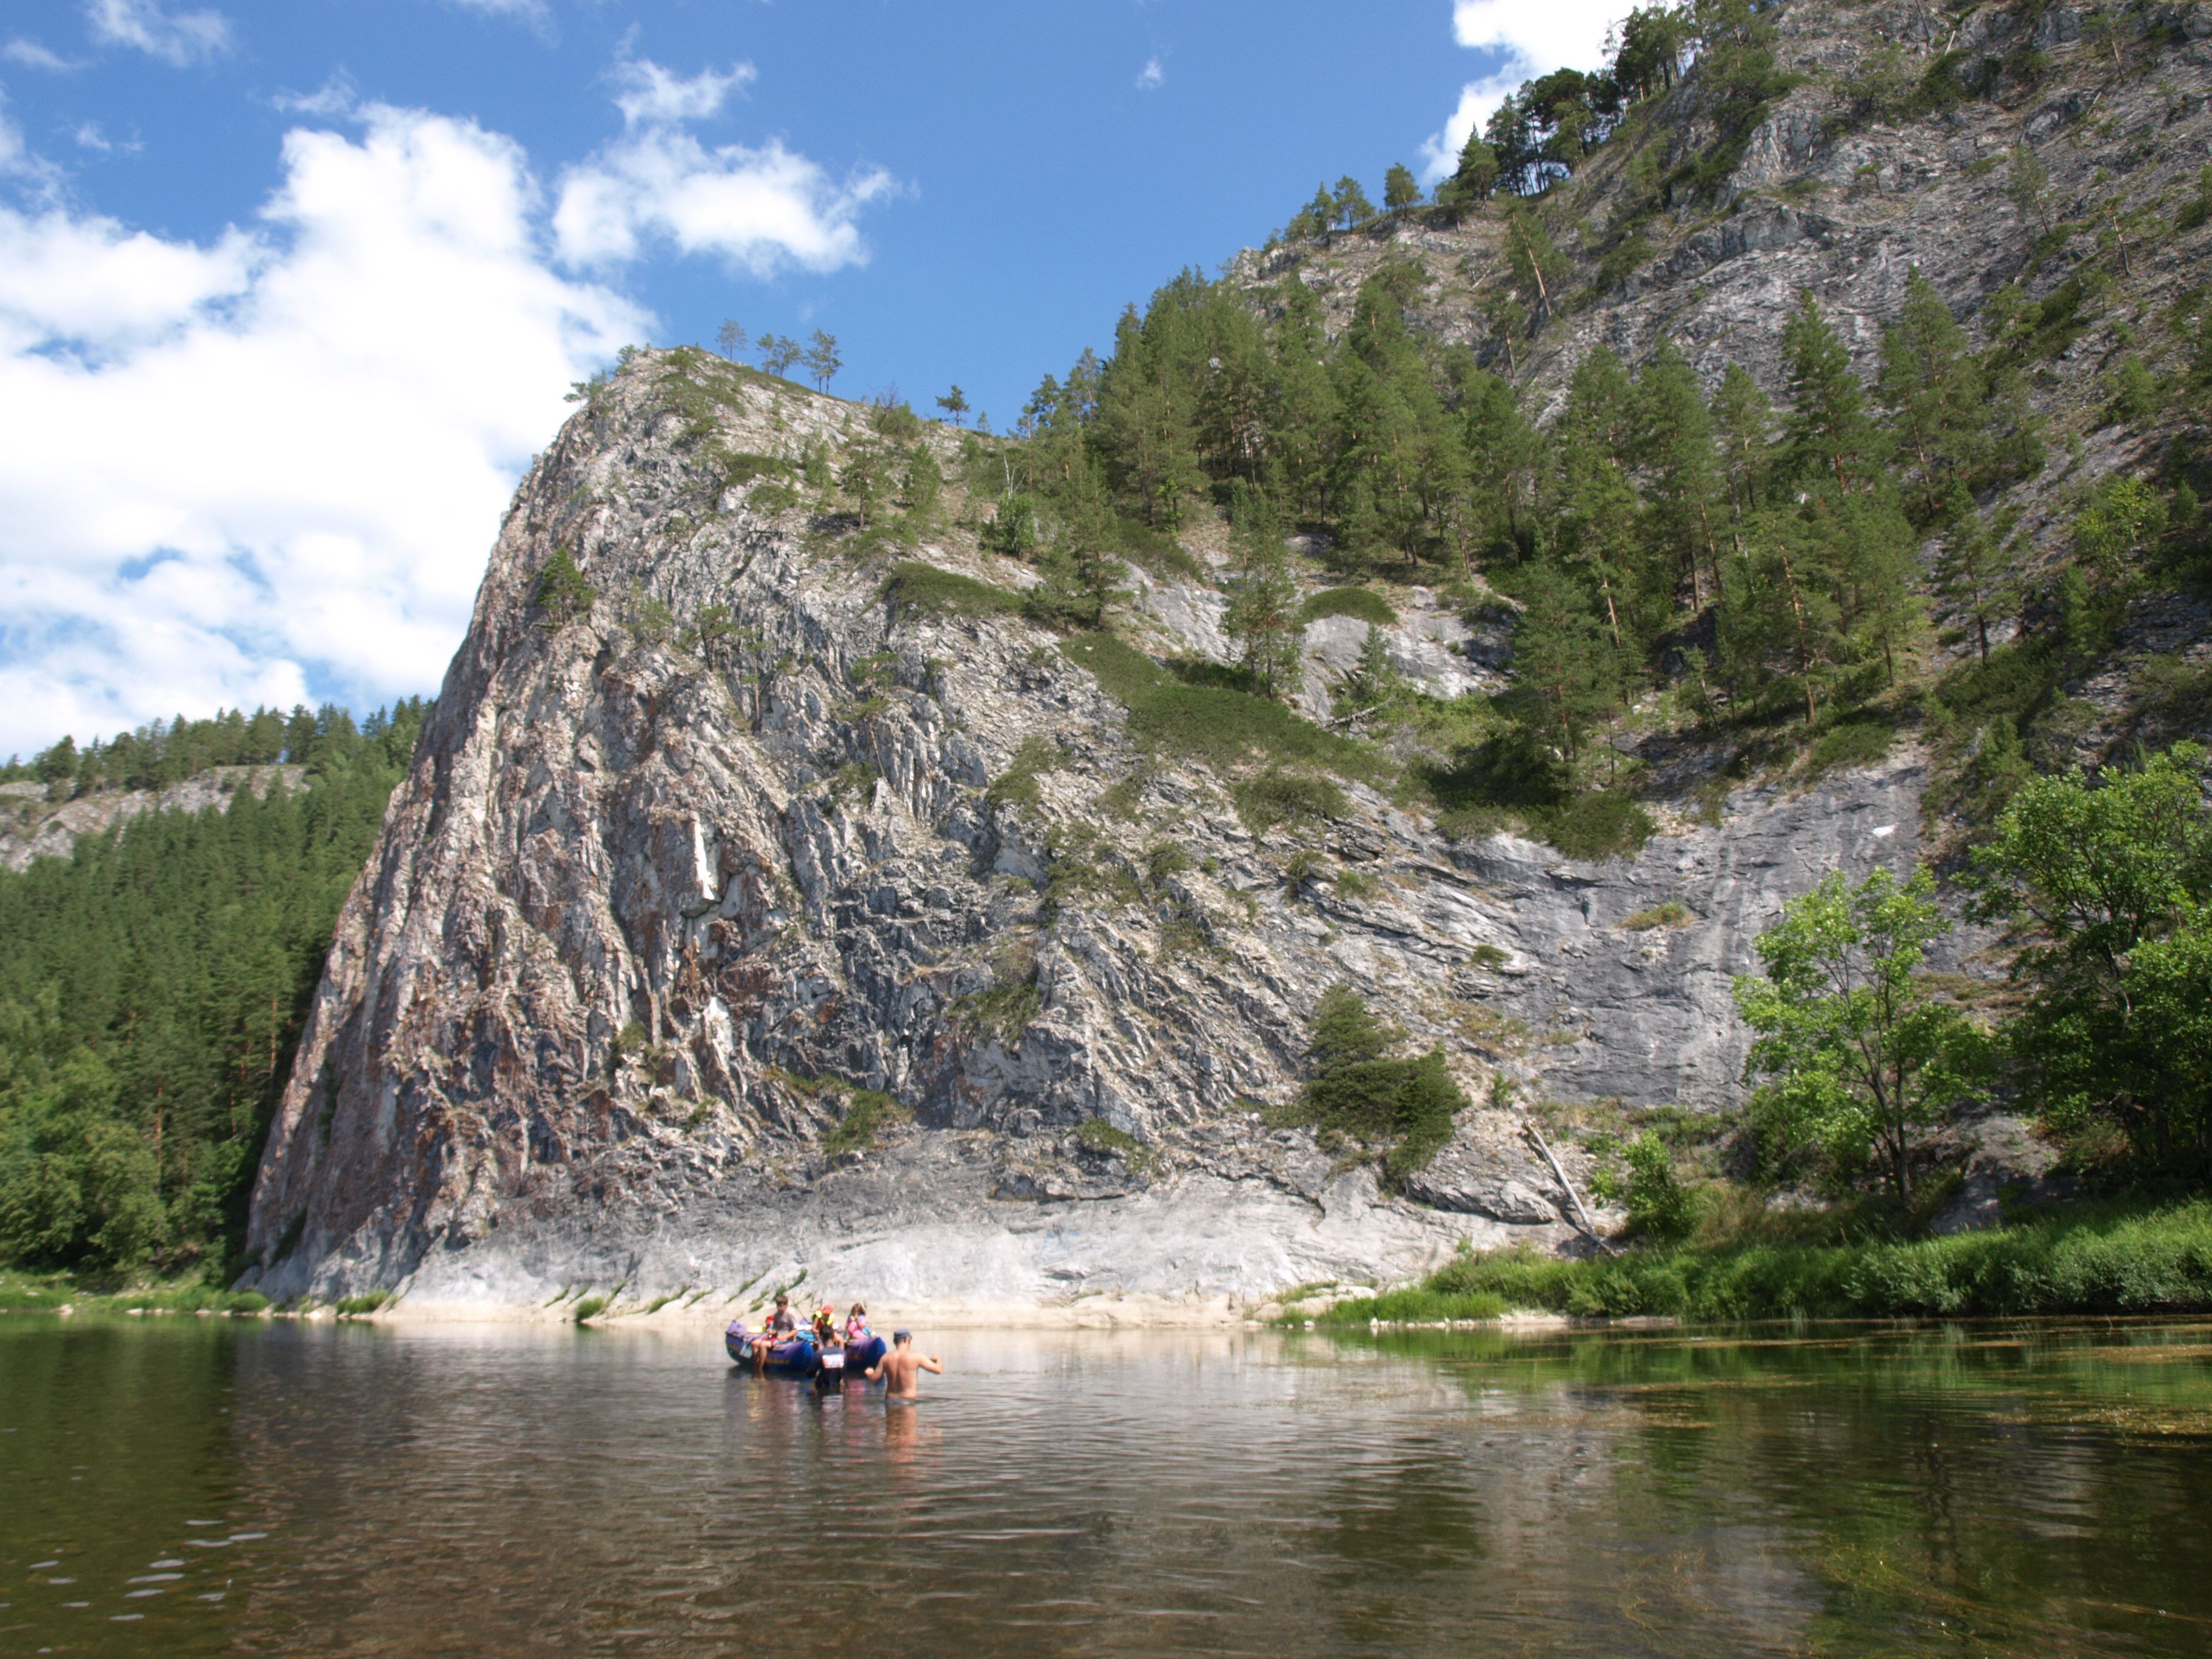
2144	1261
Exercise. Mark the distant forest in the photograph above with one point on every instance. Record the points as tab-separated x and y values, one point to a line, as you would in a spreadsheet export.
153	985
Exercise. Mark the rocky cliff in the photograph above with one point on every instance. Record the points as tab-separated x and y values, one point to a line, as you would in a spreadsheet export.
782	914
32	826
651	908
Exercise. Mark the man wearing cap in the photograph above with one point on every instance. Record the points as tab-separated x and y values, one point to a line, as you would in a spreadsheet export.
904	1368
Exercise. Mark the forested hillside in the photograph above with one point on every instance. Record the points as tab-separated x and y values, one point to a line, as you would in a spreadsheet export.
153	984
1922	537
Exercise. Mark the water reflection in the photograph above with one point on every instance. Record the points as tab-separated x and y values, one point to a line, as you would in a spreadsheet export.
190	1487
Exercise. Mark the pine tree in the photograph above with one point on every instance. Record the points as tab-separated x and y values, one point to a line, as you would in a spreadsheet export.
1937	397
731	337
1263	611
1563	669
1352	207
1976	567
1400	189
1676	446
1744	421
955	403
1829	440
1537	266
822	361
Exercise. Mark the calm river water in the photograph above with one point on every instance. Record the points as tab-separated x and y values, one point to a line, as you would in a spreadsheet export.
206	1486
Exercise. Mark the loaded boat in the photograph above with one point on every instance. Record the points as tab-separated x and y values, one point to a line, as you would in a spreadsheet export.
800	1356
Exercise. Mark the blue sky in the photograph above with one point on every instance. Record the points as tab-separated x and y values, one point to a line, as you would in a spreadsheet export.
289	291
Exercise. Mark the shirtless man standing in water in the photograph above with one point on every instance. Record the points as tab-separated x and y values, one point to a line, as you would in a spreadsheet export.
904	1367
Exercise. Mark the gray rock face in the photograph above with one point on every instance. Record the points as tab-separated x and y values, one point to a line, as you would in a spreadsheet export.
31	828
641	897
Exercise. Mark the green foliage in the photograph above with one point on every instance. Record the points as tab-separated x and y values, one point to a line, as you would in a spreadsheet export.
1862	1055
1017	785
1224	728
1097	1135
1670	913
1276	796
868	1114
353	1307
1361	604
1404	1108
2109	880
589	1307
1659	1204
1010	1004
2117	527
152	989
1861	739
915	589
562	596
1261	615
2153	1261
1598	824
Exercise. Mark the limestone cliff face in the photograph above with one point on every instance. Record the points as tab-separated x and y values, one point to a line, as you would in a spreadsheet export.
643	891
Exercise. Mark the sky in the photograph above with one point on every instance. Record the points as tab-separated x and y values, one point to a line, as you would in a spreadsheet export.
291	291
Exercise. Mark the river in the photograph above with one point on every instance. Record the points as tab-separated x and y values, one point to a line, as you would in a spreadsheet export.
195	1486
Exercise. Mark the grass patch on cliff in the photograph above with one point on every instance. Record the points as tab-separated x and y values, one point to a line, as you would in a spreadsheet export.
1220	726
868	1116
915	589
2092	1262
1360	604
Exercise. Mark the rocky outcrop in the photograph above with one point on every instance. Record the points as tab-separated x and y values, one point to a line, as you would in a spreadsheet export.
669	882
31	827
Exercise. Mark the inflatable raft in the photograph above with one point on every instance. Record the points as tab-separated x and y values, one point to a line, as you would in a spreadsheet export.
800	1357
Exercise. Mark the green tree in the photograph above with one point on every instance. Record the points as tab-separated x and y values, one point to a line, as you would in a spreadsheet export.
1977	563
2107	882
778	353
1539	268
1862	1056
1358	1089
1475	176
1675	444
822	361
1261	615
1937	397
2121	521
732	337
955	403
1350	202
1400	189
1565	676
563	595
1830	441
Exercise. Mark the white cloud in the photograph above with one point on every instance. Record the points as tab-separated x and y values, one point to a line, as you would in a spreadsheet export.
652	95
1529	41
1152	76
32	55
180	38
267	467
91	135
761	207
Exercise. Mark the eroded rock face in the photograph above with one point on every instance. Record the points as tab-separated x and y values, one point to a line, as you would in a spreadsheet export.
643	890
31	828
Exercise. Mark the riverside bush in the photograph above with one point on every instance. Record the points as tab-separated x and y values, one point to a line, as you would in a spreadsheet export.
2142	1262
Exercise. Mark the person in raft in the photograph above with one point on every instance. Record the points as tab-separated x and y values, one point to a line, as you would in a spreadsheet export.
904	1367
825	1326
777	1326
856	1324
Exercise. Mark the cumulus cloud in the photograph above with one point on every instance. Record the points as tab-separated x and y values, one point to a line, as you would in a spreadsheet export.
651	94
761	208
1152	76
265	468
1528	41
180	38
